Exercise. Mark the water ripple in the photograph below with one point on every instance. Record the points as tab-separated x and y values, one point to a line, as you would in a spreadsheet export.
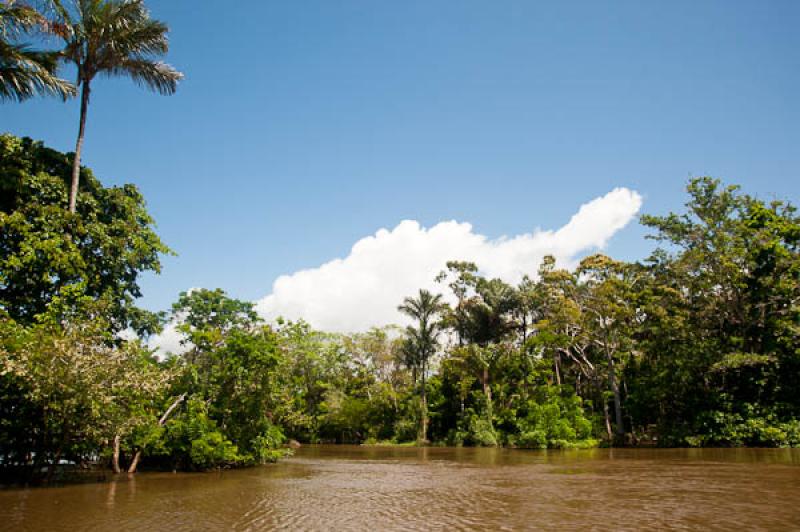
351	488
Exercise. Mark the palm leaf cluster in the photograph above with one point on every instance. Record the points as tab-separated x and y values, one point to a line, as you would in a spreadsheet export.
116	38
25	72
421	340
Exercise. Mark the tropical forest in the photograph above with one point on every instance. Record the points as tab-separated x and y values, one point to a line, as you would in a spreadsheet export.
694	343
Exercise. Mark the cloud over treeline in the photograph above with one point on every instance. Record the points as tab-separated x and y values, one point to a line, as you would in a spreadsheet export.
364	288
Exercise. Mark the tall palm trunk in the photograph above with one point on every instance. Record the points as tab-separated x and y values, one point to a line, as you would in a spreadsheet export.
424	394
76	162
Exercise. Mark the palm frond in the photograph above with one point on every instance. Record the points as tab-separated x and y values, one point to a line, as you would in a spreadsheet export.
16	19
118	37
157	76
26	73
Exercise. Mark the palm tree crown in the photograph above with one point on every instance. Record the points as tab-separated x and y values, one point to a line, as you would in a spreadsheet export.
423	308
114	38
117	38
421	341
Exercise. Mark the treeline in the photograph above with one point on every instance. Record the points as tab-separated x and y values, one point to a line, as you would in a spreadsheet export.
697	345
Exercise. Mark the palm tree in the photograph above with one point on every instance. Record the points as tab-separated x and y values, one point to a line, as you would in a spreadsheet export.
114	38
25	73
421	341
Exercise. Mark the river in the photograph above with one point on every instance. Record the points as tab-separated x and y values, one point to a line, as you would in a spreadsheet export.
405	488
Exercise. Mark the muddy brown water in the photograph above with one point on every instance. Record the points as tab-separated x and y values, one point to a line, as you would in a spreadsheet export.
382	488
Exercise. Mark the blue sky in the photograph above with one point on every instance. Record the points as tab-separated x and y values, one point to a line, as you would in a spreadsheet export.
304	126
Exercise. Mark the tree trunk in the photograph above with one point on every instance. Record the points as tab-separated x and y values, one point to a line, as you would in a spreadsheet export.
557	367
423	393
115	455
135	462
607	419
76	161
606	413
524	330
619	429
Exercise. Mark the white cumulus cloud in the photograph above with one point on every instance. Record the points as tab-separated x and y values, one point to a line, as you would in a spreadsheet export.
364	288
167	341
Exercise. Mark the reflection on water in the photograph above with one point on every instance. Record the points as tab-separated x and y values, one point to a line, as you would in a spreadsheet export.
403	488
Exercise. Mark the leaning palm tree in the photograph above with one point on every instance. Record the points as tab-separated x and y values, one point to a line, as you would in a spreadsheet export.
24	72
114	38
422	340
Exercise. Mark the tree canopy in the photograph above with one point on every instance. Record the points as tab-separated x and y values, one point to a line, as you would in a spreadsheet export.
44	249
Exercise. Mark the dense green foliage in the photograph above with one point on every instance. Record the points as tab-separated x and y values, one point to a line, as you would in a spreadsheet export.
720	348
66	388
227	377
698	345
43	249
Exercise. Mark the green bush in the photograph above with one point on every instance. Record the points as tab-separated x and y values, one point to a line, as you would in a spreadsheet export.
482	433
211	450
195	442
554	419
267	446
752	427
535	439
405	430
